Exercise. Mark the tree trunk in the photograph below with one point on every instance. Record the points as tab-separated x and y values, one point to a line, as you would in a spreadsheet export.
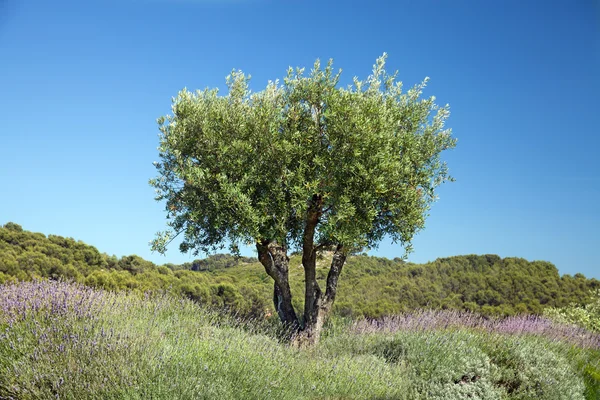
274	258
318	304
313	295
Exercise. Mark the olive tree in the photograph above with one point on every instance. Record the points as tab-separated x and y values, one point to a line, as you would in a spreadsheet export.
301	165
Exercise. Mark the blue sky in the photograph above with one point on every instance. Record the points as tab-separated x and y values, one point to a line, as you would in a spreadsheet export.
82	83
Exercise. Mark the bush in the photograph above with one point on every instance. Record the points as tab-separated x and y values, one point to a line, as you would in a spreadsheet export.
533	369
446	366
587	316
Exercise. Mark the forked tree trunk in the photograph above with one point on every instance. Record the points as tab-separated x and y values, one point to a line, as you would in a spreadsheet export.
318	305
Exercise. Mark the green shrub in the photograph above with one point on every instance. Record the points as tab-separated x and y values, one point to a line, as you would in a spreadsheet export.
586	316
446	365
533	368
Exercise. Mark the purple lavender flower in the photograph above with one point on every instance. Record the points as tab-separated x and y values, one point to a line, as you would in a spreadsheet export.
425	320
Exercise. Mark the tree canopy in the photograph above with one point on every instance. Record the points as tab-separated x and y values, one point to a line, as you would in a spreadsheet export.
246	166
303	164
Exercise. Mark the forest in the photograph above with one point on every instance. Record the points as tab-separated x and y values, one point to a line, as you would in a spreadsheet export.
371	287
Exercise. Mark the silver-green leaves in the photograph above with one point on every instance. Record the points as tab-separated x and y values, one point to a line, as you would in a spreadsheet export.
243	167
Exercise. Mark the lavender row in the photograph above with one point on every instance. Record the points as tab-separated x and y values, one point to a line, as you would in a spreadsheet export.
424	320
57	298
49	299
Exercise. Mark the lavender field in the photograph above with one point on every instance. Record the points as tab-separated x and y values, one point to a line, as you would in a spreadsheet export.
67	341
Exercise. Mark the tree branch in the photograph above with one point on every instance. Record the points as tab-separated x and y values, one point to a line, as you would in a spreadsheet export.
339	258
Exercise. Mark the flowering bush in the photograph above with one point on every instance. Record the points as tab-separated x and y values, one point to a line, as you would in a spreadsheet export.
586	316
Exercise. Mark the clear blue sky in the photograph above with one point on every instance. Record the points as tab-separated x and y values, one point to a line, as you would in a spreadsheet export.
82	83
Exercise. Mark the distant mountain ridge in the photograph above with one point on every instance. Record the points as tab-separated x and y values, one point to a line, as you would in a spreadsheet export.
369	286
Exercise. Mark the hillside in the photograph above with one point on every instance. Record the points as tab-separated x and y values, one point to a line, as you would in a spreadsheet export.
370	286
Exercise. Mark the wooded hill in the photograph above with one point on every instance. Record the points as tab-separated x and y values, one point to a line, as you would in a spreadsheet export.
369	286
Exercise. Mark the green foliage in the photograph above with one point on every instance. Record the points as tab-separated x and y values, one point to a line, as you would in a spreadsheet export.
215	262
485	284
13	227
463	364
536	369
446	365
26	255
584	315
245	167
371	287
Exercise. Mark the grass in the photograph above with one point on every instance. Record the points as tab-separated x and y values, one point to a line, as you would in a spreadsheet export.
60	340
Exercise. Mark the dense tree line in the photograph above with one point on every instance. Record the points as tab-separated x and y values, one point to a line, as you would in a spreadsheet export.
487	284
372	286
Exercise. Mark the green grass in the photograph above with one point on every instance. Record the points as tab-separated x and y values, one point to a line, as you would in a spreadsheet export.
66	342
